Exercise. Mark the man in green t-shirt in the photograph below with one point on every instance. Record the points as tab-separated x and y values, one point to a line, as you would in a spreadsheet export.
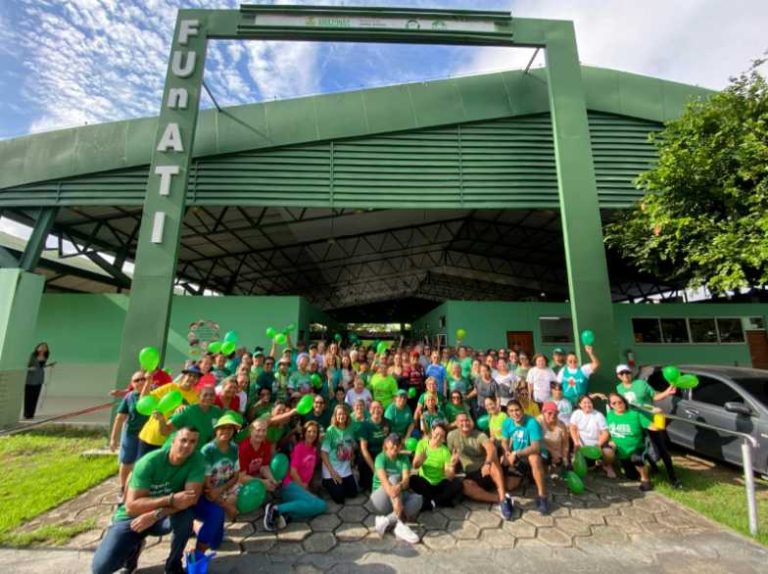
162	490
483	474
399	415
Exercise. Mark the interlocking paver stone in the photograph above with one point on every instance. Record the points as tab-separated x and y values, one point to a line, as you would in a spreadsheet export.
319	542
433	520
295	532
533	517
485	518
439	540
352	514
459	512
259	542
463	530
351	532
325	523
520	529
553	537
572	526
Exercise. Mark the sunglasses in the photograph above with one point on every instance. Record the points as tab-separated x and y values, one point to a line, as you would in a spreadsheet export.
622	373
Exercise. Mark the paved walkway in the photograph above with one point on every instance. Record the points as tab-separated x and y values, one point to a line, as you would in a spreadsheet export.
610	528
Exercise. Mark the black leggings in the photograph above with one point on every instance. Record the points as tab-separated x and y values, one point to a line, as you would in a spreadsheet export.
657	441
366	474
340	492
31	395
443	493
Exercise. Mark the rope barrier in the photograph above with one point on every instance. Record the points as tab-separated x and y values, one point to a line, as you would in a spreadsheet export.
25	427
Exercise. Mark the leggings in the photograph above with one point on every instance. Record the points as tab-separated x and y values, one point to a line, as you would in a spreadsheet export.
212	516
300	503
657	441
340	492
443	493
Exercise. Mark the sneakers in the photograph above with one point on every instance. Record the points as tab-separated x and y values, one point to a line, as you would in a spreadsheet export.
132	563
542	505
678	484
645	486
506	508
384	523
403	532
272	518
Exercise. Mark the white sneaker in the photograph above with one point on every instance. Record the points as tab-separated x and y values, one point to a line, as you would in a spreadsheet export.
384	523
403	532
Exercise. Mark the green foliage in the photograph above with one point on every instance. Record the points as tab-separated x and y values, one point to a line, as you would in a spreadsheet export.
51	534
42	469
704	218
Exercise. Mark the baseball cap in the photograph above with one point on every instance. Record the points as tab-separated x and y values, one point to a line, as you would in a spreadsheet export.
622	369
193	370
549	406
393	437
401	393
558	351
258	353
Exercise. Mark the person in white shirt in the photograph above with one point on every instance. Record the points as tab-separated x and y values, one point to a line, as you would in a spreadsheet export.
539	379
589	428
358	392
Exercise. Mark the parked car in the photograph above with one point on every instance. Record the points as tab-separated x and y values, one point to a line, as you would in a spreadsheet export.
732	398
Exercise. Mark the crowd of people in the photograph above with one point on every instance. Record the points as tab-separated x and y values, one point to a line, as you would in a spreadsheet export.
413	427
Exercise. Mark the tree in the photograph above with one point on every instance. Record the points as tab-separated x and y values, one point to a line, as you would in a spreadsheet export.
704	218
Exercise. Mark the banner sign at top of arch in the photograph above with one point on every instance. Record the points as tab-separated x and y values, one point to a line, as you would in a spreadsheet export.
348	22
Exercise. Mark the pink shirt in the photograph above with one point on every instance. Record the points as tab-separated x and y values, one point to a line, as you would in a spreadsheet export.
303	459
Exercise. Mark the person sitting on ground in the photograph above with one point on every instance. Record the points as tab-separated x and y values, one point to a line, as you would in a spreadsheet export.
391	500
370	436
575	377
163	488
523	448
279	429
255	454
358	392
399	415
222	474
589	428
436	481
455	406
126	428
336	453
484	479
640	394
555	438
627	442
298	502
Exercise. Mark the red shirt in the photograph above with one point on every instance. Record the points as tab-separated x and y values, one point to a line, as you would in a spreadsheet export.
209	379
234	404
252	460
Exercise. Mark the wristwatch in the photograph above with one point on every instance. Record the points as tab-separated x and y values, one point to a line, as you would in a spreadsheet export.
158	513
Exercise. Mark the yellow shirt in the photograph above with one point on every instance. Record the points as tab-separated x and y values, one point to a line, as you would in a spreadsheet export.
495	423
150	432
532	409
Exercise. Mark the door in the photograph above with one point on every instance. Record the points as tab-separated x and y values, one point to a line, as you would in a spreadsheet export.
520	341
758	348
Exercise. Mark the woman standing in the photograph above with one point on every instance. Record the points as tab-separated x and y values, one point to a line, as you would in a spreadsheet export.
539	379
506	380
336	454
35	378
485	387
436	481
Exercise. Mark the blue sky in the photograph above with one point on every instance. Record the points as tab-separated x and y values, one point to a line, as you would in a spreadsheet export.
66	63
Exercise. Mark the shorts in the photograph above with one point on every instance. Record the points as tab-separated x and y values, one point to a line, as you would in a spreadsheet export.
484	482
129	448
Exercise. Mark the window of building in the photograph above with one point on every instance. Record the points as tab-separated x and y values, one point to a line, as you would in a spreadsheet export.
674	331
646	330
556	330
703	330
730	330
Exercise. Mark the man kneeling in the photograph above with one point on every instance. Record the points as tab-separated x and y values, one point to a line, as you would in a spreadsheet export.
477	455
162	490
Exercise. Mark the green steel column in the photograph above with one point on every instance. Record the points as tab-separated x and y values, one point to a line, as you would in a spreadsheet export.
146	323
20	294
31	256
588	284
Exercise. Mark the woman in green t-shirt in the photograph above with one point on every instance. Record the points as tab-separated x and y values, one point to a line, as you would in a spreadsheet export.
336	453
436	481
627	441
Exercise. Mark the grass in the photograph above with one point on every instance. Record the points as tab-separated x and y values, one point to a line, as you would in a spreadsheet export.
717	492
40	470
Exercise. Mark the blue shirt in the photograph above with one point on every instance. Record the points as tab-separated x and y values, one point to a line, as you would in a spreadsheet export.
439	373
575	383
522	435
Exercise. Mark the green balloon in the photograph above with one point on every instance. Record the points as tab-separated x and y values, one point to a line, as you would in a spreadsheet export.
671	374
337	337
483	423
279	466
412	392
280	338
461	334
149	358
290	328
170	402
271	332
591	452
579	464
305	405
381	347
146	405
251	496
214	347
316	380
228	348
687	381
231	337
587	337
575	484
411	444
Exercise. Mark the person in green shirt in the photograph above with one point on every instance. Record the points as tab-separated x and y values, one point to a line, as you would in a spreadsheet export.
337	452
436	481
371	439
627	441
429	414
454	408
201	416
399	415
163	488
383	385
392	503
358	417
456	379
639	393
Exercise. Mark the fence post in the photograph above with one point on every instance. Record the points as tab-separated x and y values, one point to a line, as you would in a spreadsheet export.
749	479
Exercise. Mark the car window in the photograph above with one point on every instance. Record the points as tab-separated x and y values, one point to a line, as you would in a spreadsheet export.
657	381
714	392
755	386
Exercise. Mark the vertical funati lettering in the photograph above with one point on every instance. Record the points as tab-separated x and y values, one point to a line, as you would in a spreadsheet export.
178	98
171	140
188	67
187	28
166	172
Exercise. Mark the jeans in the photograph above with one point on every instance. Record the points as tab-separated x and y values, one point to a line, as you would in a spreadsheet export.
382	504
212	516
120	543
299	503
145	448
